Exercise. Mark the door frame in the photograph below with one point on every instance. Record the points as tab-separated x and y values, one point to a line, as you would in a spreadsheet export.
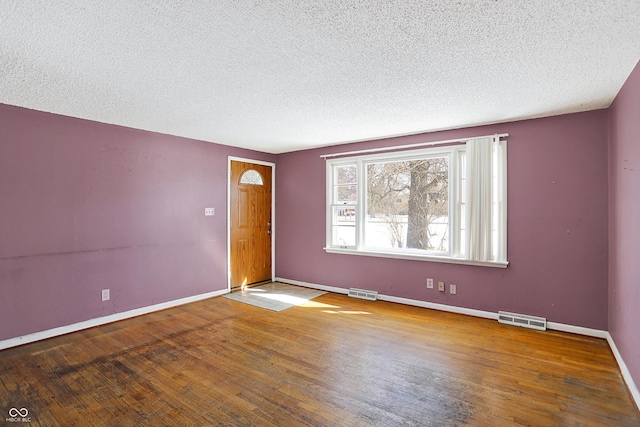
273	213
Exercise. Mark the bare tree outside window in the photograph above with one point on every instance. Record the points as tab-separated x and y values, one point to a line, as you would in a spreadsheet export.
411	200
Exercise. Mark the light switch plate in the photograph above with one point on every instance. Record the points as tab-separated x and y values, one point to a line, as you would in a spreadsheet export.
209	211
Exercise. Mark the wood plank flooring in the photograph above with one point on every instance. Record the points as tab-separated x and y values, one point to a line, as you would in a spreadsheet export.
336	361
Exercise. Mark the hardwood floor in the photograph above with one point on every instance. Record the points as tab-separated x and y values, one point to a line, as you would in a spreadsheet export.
336	361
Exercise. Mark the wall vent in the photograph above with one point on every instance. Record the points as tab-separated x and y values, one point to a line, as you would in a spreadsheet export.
539	323
363	294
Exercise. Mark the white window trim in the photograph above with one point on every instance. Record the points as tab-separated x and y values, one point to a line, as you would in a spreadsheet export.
453	256
430	258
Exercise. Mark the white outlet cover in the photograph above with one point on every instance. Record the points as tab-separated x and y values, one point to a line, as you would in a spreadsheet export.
105	295
430	283
452	289
209	211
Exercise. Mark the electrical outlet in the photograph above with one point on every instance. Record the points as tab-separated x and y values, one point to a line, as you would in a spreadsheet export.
105	295
209	211
430	283
452	289
441	286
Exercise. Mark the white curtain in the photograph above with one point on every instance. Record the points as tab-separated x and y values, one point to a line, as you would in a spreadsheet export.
485	190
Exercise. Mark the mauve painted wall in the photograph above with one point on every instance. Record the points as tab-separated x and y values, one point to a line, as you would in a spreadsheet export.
87	206
557	227
624	230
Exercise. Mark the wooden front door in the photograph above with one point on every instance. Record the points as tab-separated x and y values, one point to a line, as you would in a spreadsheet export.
250	227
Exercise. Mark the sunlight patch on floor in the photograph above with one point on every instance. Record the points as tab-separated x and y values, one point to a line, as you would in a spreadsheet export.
275	296
289	299
315	304
345	312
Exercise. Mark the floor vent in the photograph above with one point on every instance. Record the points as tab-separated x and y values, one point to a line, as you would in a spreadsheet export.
539	323
361	293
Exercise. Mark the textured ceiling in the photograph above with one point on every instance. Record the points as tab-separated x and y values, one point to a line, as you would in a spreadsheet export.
282	75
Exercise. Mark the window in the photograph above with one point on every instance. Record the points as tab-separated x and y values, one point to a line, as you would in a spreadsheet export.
445	204
251	177
343	213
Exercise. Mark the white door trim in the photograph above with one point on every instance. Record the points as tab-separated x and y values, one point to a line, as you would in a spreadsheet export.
273	213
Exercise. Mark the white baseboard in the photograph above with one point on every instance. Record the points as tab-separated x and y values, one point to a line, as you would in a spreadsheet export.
633	388
407	301
597	333
579	330
451	308
50	333
441	307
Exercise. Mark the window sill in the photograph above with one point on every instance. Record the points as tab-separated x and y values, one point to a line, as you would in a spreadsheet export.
429	258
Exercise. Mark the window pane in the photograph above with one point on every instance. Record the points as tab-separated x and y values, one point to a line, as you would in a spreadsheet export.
344	225
386	232
463	230
346	174
252	177
346	194
408	205
344	236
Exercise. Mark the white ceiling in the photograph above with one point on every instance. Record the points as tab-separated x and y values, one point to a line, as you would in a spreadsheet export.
283	75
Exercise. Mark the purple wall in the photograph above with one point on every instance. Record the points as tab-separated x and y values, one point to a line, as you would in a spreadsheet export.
87	206
624	227
557	227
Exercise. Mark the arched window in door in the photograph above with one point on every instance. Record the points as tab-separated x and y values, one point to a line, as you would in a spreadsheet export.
251	177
